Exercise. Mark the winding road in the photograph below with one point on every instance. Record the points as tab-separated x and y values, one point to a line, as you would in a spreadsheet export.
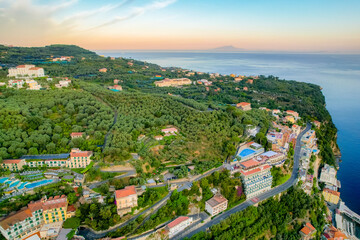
279	189
195	228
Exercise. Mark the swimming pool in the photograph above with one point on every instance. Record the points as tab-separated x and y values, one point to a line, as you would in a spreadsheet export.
246	152
22	185
14	183
36	184
4	179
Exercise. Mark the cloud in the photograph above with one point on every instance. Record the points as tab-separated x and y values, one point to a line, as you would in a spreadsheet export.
34	22
137	11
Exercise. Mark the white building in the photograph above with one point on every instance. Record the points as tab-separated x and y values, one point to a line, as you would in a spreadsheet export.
257	180
216	204
178	225
328	176
26	71
63	83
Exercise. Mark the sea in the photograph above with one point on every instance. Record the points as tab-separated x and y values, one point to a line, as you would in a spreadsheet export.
337	74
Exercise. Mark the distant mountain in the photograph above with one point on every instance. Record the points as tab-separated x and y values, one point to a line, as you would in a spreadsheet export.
36	55
227	49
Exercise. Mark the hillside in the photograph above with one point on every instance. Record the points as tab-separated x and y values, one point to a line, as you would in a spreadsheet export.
21	55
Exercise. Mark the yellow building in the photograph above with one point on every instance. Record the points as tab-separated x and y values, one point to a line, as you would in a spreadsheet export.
173	82
79	159
13	165
126	199
331	196
55	209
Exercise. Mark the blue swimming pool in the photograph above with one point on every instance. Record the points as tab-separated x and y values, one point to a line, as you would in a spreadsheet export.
22	185
14	183
36	184
246	152
4	179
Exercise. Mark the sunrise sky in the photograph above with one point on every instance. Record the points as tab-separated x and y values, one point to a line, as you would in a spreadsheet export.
307	25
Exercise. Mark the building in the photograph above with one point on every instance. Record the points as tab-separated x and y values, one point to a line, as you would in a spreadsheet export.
204	82
116	87
178	225
31	219
62	58
26	71
63	83
245	88
289	118
271	157
250	81
173	82
79	159
249	164
125	199
238	79
245	106
16	83
33	85
256	180
21	224
332	233
331	196
51	230
216	204
293	113
116	81
159	137
307	232
55	209
13	165
169	131
34	163
103	70
76	135
328	176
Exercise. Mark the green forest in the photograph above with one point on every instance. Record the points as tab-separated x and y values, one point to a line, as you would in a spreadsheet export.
40	122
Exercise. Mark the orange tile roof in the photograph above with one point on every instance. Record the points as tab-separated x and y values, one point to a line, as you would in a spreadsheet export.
71	208
20	66
34	206
255	170
76	134
250	163
332	192
55	202
15	218
9	161
35	68
243	104
177	221
307	229
127	191
78	153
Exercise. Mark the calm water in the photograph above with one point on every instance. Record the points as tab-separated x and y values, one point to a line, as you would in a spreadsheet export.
339	75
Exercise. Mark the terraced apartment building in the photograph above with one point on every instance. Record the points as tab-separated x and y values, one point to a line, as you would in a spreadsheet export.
30	219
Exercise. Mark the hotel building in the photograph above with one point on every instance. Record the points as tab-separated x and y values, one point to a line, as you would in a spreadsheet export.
26	71
256	180
30	219
13	165
79	159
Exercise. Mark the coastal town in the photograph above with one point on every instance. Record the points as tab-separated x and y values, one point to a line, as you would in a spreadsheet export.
263	163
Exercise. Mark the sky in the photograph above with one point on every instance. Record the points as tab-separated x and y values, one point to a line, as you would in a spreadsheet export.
254	25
